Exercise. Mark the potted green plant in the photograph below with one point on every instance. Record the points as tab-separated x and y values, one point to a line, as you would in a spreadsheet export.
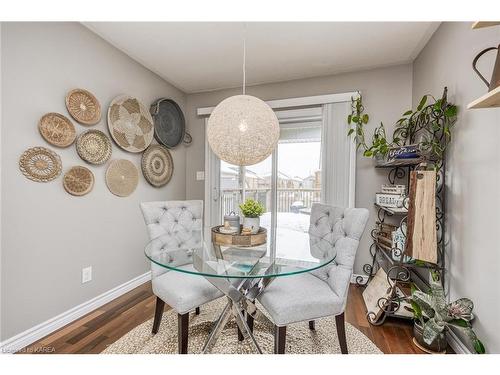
434	316
251	210
428	127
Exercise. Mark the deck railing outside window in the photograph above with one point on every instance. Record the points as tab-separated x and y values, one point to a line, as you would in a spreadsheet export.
288	200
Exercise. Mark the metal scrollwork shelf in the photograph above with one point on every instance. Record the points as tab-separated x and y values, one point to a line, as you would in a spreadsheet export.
401	270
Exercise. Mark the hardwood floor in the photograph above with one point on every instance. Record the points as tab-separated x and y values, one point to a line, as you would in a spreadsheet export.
95	331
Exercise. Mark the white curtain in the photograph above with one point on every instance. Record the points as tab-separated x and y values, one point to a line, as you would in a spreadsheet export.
338	157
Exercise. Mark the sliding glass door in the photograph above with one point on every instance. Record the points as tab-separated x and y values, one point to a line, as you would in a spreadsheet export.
288	190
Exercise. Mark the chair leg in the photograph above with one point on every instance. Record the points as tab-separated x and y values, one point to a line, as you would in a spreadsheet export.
240	335
158	314
340	322
197	311
279	339
182	332
311	325
250	325
250	322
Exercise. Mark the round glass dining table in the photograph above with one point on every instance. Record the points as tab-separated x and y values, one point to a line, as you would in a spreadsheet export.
242	273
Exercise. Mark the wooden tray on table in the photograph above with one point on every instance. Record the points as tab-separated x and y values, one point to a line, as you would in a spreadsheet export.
245	240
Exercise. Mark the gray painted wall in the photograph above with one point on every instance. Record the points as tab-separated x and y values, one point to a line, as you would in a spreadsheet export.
473	172
387	94
48	236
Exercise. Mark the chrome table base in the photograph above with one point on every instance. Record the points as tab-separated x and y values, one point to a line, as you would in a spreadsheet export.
241	294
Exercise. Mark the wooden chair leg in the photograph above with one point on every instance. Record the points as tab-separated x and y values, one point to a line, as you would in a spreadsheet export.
197	311
340	322
279	339
182	332
158	314
250	322
250	325
311	325
240	335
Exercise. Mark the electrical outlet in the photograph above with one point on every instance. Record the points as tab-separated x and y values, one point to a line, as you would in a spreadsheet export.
200	175
86	274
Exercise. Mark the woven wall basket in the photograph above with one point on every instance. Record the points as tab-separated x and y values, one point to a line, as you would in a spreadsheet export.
40	164
130	124
157	165
78	181
122	177
94	146
57	129
83	107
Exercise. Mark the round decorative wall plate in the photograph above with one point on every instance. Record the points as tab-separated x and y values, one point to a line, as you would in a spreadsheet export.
78	181
94	146
157	165
122	177
169	122
130	124
83	107
40	164
57	129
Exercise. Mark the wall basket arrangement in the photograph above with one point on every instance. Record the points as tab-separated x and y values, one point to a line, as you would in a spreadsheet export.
78	181
83	107
57	129
122	177
40	164
94	146
130	124
157	165
169	122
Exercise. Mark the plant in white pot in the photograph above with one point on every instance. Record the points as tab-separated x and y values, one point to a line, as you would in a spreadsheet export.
251	210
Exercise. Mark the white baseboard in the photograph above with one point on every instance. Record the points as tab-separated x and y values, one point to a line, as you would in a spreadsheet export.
41	330
355	276
456	344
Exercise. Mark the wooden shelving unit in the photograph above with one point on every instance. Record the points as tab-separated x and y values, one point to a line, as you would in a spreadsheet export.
400	270
481	24
489	100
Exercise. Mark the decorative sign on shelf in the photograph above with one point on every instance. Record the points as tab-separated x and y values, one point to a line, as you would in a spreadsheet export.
394	189
389	200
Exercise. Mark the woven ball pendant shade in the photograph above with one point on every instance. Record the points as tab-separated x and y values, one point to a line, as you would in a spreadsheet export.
243	130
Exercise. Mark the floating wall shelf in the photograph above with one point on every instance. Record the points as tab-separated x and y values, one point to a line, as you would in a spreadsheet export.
489	100
481	24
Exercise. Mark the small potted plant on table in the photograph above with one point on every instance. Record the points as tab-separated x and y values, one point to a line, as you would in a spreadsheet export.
434	316
251	210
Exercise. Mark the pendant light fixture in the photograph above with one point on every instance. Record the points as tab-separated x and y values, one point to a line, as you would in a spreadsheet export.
242	129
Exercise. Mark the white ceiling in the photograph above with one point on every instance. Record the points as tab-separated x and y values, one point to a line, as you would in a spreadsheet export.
206	56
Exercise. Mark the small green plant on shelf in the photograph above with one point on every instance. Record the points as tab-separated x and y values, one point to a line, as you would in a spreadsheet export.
251	208
429	126
435	316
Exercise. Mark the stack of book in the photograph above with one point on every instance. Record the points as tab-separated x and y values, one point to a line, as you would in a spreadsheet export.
384	235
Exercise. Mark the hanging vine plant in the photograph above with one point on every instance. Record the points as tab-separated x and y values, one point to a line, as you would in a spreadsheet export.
429	127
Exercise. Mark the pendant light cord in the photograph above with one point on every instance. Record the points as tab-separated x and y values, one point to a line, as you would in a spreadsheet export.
244	56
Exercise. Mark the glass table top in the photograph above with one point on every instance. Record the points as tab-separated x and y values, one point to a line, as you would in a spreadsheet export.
202	257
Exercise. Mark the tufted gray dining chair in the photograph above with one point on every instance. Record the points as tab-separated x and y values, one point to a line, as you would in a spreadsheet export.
174	226
323	292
